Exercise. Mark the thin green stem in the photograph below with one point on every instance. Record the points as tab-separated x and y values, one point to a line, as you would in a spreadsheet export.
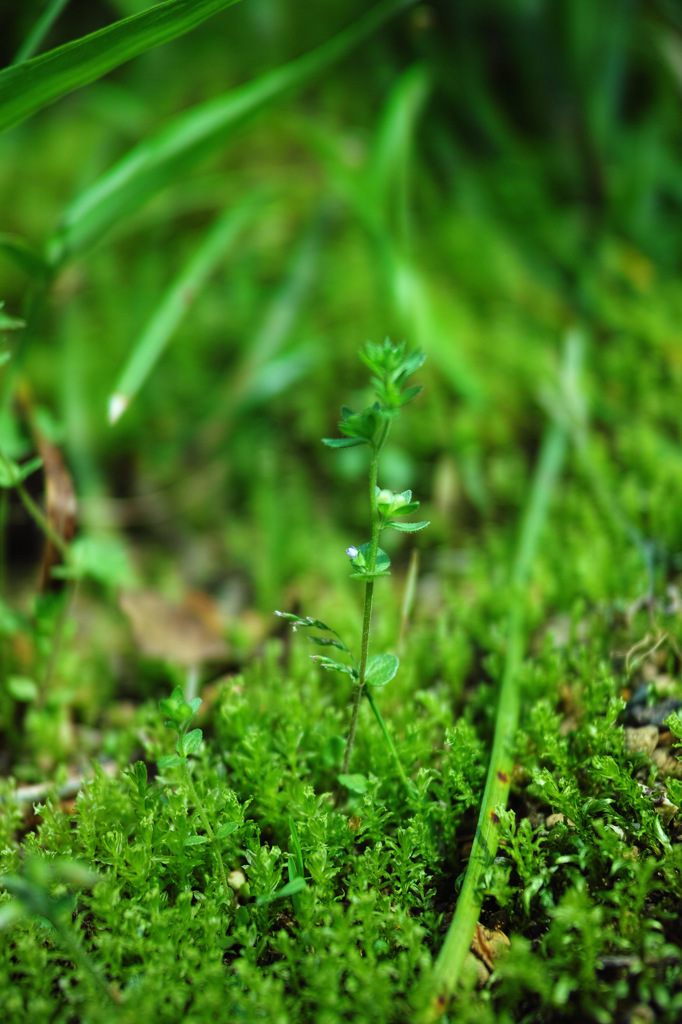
56	644
369	589
196	800
37	514
359	686
382	725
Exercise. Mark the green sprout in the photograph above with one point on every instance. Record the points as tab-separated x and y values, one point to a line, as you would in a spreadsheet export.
179	714
390	367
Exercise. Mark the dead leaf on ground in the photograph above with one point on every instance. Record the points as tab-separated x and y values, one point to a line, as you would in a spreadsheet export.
187	634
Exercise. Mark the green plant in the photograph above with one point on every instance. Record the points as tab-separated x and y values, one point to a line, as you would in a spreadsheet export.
34	895
390	367
179	714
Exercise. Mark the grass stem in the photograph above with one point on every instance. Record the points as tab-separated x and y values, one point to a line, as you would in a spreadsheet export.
448	966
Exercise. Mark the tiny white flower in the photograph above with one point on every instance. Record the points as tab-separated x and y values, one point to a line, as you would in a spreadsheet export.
352	552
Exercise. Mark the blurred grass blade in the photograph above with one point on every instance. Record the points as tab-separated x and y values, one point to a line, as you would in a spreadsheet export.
24	256
259	369
264	371
394	144
175	305
40	30
28	87
448	966
160	160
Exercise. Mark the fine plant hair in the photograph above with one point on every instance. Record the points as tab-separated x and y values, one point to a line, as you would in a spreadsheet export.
390	366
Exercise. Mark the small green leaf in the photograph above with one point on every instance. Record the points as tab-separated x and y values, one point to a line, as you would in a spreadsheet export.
343	442
7	322
361	425
22	689
296	620
359	562
325	641
103	559
195	841
356	783
11	473
10	912
407	527
297	856
334	666
227	829
406	510
190	742
409	394
176	708
170	761
674	787
290	889
381	668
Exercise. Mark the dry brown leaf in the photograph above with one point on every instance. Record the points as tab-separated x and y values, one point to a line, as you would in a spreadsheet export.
61	507
179	633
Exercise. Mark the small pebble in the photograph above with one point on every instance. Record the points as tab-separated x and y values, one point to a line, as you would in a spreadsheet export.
666	810
643	740
666	763
554	819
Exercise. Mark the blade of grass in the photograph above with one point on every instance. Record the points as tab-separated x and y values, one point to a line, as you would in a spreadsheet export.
159	160
425	316
28	87
251	378
39	30
393	149
569	407
448	967
20	252
175	304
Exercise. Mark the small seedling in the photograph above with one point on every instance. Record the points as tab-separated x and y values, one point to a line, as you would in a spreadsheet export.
390	367
179	714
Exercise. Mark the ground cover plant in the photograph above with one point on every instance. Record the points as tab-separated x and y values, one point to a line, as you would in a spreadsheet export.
208	211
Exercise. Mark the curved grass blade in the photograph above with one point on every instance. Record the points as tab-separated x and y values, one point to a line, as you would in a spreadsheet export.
389	170
448	966
24	256
175	305
263	370
159	160
33	84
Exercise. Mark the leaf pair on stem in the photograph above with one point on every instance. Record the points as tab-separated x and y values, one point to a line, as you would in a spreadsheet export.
390	367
